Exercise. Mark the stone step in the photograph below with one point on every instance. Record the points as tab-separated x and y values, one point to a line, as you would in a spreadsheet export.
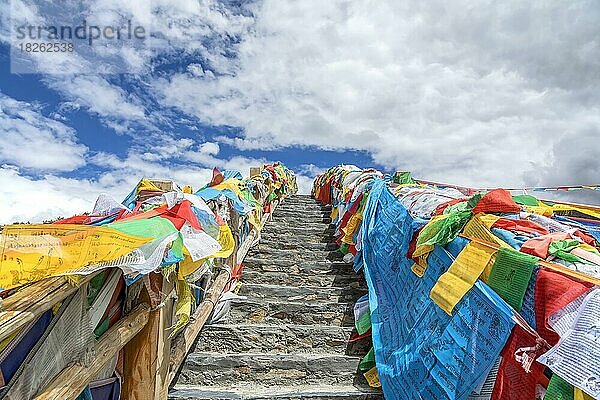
250	311
294	243
268	369
301	212
280	339
300	294
299	220
253	392
304	205
269	238
300	199
304	208
300	232
291	266
302	279
268	254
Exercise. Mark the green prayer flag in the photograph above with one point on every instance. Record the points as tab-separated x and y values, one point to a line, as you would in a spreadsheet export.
562	248
559	389
525	199
368	361
510	275
344	248
102	327
363	324
155	228
472	202
403	177
444	230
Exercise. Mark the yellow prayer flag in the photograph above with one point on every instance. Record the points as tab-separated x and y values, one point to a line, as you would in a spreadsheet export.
232	184
30	253
226	241
372	377
581	395
461	276
351	228
183	307
488	219
476	228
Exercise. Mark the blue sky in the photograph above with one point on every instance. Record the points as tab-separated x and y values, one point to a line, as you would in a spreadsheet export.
479	95
99	137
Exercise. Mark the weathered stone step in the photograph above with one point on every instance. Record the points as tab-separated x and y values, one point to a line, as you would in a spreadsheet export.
253	392
300	220
280	339
300	198
302	279
293	243
303	205
269	238
289	265
287	312
316	207
316	218
268	253
301	230
268	369
303	210
313	215
301	294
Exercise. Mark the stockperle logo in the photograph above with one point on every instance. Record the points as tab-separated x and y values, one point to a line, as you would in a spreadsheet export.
72	37
84	31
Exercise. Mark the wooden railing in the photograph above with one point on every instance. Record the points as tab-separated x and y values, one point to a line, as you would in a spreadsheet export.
152	358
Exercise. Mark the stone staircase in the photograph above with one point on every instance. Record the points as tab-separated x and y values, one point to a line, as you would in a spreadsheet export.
289	338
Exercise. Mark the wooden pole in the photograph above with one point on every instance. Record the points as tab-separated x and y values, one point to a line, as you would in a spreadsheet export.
28	303
182	343
164	342
71	381
144	354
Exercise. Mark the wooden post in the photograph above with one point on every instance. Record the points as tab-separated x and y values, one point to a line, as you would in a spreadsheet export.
164	342
254	171
71	381
145	357
183	342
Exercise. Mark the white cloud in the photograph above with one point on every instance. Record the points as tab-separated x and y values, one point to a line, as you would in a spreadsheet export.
310	170
31	140
472	94
304	183
209	148
27	198
34	200
100	97
487	94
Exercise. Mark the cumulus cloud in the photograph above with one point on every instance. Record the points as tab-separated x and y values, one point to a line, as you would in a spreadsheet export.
31	140
27	199
486	94
209	148
36	198
304	183
574	159
472	94
96	94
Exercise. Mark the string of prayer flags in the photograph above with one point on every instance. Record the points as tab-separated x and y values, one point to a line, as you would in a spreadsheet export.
450	267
